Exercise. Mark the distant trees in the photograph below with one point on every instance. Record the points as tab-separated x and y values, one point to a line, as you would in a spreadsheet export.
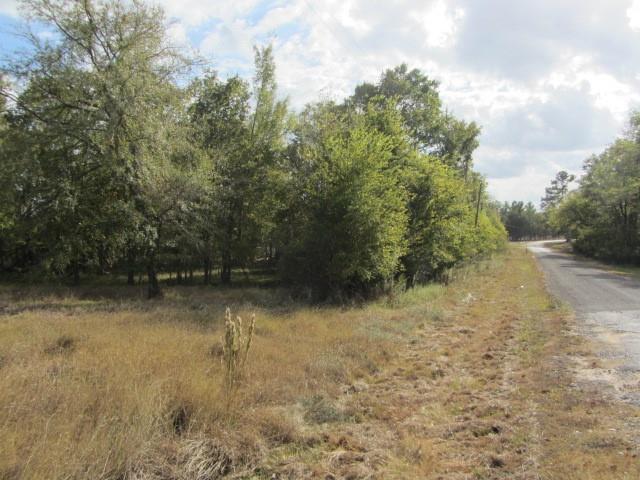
524	222
602	216
110	164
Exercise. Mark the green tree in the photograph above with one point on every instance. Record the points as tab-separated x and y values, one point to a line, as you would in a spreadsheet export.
441	219
94	98
557	190
603	216
348	222
430	130
244	144
523	221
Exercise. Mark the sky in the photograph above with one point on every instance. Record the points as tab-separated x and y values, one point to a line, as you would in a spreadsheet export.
550	82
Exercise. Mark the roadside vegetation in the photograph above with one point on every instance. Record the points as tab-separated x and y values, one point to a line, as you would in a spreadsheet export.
470	380
334	296
121	154
602	216
524	222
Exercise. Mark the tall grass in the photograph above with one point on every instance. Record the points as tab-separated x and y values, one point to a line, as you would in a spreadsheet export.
97	387
235	349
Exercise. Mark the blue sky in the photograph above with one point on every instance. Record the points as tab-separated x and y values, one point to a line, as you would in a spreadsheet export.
549	81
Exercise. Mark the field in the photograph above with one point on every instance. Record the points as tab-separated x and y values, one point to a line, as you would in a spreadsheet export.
471	380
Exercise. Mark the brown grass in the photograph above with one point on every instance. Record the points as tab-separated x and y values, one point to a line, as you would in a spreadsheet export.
469	381
94	386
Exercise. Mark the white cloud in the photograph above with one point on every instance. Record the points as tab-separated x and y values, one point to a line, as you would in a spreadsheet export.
528	185
195	12
549	82
633	14
440	21
9	7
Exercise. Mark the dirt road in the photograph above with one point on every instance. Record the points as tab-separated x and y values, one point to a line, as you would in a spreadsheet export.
607	306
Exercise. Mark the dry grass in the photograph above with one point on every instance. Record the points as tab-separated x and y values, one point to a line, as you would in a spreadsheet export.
102	384
467	381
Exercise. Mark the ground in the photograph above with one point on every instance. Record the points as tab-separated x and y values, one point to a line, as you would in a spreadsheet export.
478	379
607	309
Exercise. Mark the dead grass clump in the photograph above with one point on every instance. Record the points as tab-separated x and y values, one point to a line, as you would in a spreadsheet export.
319	409
63	344
152	465
328	367
278	428
180	418
216	351
236	347
419	452
204	459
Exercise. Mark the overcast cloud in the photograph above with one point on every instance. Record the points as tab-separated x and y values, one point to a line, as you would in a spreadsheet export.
549	81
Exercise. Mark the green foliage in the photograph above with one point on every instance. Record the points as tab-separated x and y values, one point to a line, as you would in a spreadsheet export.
441	220
603	215
243	146
110	164
555	193
429	129
524	222
348	224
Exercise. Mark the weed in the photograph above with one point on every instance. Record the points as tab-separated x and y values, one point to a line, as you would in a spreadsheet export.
236	347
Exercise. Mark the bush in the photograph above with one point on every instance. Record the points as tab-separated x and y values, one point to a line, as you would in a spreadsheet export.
350	223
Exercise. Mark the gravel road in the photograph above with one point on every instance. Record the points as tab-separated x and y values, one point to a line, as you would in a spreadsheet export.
607	307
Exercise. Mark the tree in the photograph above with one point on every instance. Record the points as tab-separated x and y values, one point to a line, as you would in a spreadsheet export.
524	222
441	223
244	146
557	190
348	221
603	216
430	129
94	97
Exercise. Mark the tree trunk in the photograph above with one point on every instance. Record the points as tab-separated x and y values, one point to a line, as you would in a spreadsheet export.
154	287
76	273
130	267
207	270
225	273
152	277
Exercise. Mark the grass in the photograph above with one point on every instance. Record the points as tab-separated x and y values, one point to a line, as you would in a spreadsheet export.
98	383
472	380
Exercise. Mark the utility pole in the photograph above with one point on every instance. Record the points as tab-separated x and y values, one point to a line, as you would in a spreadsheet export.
478	204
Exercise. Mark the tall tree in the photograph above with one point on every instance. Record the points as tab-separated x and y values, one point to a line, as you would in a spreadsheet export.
603	215
557	190
95	94
430	129
244	143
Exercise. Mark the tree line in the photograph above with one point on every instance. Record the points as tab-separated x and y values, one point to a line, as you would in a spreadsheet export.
524	222
121	154
602	216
